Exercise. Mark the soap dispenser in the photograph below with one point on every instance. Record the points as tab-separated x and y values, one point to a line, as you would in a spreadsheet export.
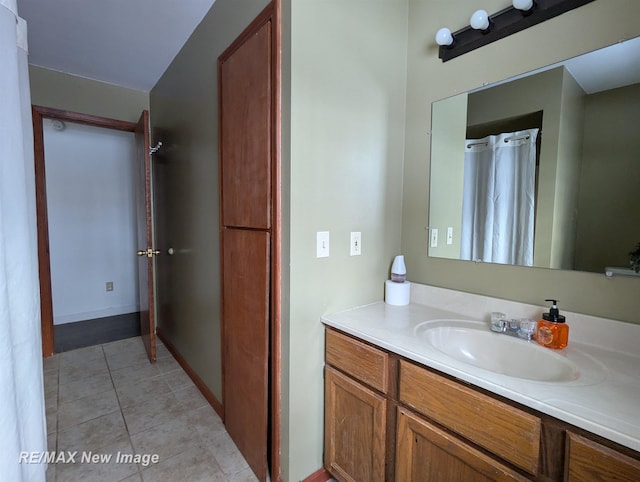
552	330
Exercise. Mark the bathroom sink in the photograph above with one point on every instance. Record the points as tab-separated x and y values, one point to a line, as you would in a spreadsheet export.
473	343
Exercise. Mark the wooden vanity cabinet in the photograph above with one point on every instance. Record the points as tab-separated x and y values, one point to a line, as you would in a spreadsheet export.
590	461
427	453
509	433
355	421
355	429
391	419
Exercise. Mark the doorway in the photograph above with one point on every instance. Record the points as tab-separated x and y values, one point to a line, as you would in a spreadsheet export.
88	225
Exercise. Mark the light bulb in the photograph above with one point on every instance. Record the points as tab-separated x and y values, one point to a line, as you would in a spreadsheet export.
480	20
444	37
523	5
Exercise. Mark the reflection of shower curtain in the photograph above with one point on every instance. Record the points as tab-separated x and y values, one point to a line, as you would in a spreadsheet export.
498	203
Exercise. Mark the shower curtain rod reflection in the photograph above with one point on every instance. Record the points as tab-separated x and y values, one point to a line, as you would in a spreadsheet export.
507	139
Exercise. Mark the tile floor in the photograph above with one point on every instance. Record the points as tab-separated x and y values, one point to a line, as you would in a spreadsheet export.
108	400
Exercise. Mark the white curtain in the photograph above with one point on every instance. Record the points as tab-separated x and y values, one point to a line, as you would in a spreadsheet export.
498	204
22	413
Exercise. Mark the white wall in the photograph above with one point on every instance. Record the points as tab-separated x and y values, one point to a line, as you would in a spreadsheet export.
91	211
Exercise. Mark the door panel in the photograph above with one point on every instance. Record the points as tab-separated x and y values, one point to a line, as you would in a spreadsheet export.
245	89
145	236
245	312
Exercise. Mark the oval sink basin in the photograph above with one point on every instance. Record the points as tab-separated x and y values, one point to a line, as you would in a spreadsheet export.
473	343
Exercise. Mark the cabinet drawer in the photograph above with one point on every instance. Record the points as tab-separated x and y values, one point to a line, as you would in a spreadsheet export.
588	460
358	359
502	429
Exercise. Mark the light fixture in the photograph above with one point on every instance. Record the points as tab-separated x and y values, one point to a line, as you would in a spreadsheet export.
484	29
525	6
480	21
444	37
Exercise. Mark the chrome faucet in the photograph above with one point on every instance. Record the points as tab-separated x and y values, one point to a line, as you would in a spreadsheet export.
523	328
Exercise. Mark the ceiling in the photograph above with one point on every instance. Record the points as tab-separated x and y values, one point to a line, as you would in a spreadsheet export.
124	42
131	42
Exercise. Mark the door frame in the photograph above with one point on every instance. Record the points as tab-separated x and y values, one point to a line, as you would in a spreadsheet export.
38	114
271	13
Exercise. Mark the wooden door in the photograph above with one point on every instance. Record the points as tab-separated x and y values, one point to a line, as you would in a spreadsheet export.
245	311
427	453
355	429
247	207
145	236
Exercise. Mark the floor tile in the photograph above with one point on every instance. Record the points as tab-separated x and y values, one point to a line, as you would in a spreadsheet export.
121	354
161	350
190	398
136	393
88	408
167	364
85	387
109	399
133	374
108	471
93	434
194	465
177	379
167	439
79	370
150	413
222	448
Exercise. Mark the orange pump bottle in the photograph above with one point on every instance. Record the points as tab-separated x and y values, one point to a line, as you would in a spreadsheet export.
552	331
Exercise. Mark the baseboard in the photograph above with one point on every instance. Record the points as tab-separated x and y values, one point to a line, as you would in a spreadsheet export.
320	475
92	315
208	394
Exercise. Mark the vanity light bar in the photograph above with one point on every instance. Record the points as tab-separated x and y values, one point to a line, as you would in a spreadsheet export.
502	24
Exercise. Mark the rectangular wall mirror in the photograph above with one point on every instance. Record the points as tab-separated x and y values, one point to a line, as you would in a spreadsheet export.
542	169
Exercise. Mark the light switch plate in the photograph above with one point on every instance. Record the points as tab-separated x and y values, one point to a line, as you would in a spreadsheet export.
322	244
434	237
356	243
449	235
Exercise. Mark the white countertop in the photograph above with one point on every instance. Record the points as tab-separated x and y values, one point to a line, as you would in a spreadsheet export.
605	399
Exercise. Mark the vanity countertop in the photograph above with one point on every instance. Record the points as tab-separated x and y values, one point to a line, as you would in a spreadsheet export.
605	399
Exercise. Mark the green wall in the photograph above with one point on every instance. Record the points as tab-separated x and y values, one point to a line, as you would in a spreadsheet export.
347	99
610	183
50	88
587	28
358	81
184	108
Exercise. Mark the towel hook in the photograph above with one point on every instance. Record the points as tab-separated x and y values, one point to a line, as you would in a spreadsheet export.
155	149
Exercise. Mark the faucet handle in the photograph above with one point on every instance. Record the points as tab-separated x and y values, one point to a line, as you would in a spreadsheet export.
498	322
527	328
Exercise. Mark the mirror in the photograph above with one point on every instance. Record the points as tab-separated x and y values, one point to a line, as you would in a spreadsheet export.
581	194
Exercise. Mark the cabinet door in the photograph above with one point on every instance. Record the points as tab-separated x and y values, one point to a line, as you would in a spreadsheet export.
245	329
245	133
354	429
590	461
426	453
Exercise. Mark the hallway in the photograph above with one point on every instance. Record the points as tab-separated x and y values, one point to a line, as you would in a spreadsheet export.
142	422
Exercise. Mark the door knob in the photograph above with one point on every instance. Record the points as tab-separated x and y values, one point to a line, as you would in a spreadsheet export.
149	252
